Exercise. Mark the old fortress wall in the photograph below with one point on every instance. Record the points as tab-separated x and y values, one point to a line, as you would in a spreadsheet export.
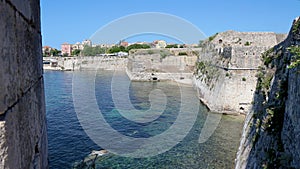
23	130
223	70
227	67
162	64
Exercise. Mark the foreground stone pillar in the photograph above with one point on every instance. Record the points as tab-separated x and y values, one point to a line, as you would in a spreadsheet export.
23	136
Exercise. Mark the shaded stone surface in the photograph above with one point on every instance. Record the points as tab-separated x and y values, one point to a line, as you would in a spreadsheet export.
271	136
23	136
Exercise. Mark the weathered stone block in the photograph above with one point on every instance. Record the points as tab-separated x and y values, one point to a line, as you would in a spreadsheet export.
20	55
30	9
8	56
23	134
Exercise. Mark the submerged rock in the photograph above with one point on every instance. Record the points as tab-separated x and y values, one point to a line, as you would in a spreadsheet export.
91	160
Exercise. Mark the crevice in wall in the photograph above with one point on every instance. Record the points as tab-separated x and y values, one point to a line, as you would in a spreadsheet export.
2	116
30	22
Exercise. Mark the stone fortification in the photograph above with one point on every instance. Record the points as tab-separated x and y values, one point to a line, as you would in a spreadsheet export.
23	136
162	64
85	63
271	131
226	70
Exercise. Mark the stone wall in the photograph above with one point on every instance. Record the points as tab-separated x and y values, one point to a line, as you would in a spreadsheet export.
87	63
23	136
162	64
227	68
271	130
227	94
234	38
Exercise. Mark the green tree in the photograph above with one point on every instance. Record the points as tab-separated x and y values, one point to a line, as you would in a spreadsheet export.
54	52
92	51
76	52
98	50
137	46
114	49
172	46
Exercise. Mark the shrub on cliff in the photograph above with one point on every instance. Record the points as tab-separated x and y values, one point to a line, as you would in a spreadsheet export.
295	51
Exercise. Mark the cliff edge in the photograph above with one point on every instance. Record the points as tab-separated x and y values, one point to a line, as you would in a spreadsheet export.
271	133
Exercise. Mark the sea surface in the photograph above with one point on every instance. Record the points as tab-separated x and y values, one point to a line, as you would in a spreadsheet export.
69	144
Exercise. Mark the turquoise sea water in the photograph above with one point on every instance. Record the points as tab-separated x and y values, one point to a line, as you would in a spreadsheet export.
68	143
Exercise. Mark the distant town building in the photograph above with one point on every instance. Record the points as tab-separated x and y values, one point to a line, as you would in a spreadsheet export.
66	49
77	46
46	50
104	45
87	43
160	44
123	43
142	43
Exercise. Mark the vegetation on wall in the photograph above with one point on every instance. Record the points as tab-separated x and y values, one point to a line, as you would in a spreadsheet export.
207	73
267	57
212	37
296	27
295	60
269	108
248	43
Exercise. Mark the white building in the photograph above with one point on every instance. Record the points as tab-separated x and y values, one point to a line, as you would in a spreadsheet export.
87	43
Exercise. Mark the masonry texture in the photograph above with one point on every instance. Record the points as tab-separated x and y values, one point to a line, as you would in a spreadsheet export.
23	136
162	64
271	131
87	63
227	66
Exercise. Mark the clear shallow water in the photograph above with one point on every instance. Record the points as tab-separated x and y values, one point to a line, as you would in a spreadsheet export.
68	142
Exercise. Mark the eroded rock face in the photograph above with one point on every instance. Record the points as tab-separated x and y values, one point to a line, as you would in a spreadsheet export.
271	130
23	136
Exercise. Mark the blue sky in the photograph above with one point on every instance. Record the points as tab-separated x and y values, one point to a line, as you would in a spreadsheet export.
73	21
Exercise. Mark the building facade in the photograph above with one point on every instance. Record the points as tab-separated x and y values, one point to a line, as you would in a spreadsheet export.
66	49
